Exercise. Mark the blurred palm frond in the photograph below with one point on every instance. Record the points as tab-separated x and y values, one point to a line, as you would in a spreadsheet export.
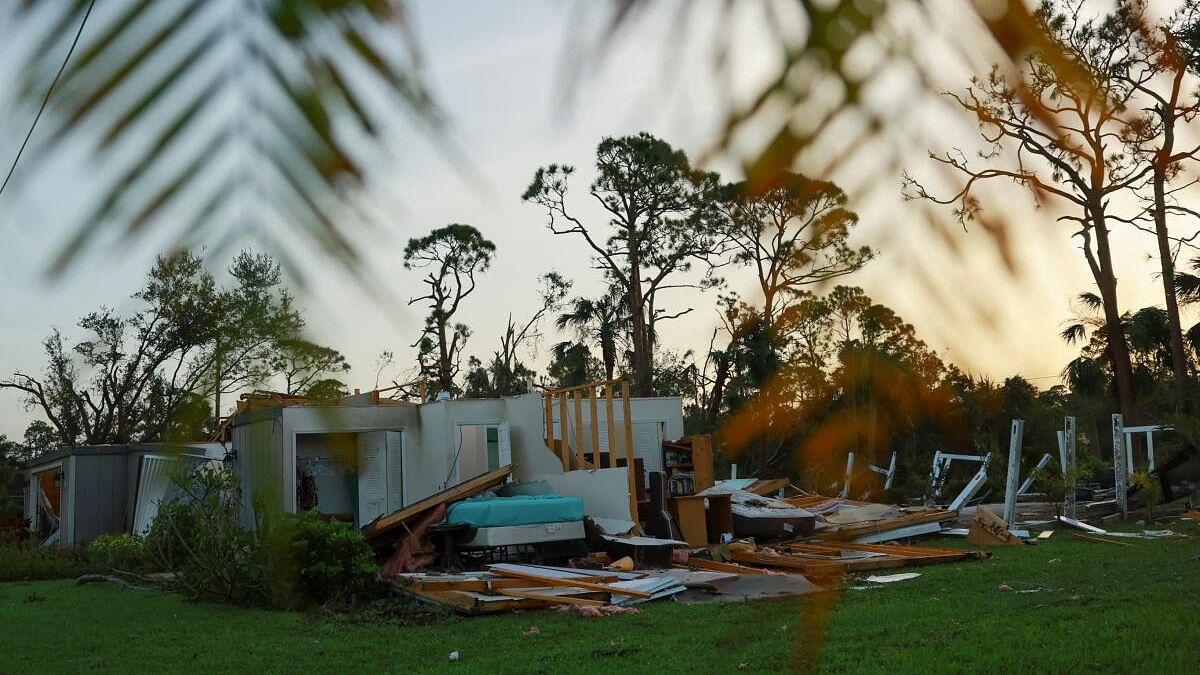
218	119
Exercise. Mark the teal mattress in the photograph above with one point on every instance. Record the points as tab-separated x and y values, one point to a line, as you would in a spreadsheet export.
517	510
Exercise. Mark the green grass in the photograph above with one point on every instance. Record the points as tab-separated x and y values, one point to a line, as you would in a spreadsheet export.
1103	608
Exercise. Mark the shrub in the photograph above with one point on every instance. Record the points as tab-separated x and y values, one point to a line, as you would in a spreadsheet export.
30	563
310	560
120	552
198	537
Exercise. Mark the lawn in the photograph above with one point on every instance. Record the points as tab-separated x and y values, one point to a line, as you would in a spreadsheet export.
1095	608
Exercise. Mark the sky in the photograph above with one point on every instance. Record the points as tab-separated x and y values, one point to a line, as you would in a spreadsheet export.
499	71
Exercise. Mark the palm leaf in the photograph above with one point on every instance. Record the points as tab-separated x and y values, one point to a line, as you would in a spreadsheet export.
184	100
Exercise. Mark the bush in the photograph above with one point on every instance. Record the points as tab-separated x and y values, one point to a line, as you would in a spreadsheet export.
310	561
299	560
119	552
31	563
197	537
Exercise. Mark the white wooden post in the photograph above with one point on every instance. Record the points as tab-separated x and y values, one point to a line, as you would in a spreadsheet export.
849	469
1062	451
1120	467
1069	464
1150	451
1014	472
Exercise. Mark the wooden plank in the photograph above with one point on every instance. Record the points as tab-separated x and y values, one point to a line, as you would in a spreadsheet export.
1080	535
549	421
592	400
612	431
571	583
484	585
629	467
899	551
766	487
714	566
562	432
461	491
810	566
881	526
466	604
579	449
553	599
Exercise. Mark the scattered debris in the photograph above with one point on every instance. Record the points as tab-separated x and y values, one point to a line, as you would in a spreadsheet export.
890	578
988	529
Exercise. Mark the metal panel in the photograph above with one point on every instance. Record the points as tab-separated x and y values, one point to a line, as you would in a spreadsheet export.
96	486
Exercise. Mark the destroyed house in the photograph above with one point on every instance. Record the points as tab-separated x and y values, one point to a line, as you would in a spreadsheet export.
364	457
75	494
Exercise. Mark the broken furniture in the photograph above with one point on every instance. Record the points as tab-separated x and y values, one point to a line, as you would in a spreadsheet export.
759	516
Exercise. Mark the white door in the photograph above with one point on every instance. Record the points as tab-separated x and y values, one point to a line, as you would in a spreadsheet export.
395	470
372	476
505	445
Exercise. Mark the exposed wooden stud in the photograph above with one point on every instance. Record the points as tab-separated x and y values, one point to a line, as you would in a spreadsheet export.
612	432
562	432
592	400
579	450
548	399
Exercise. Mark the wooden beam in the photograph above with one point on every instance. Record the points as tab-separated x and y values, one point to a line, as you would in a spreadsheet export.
562	432
572	583
714	566
478	585
461	491
592	400
612	429
548	399
579	450
554	599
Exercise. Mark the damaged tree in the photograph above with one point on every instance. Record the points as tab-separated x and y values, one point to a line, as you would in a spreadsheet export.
1062	130
662	219
506	375
454	255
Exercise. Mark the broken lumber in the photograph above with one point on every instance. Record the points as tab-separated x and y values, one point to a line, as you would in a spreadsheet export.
571	583
461	491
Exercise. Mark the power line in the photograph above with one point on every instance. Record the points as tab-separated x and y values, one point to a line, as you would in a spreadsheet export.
46	100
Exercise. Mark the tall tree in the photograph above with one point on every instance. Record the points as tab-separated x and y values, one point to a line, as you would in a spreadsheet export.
793	234
454	255
1061	130
1157	60
661	220
155	374
133	373
260	324
304	365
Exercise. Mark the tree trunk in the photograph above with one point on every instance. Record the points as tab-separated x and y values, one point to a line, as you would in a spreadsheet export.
640	336
718	389
1118	347
1167	264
